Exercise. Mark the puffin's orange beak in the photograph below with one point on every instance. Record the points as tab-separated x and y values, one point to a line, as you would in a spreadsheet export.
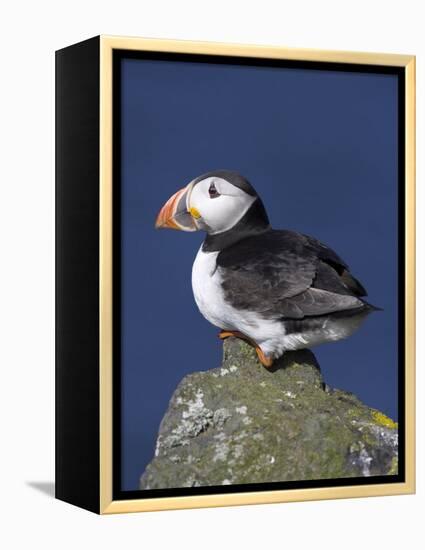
175	214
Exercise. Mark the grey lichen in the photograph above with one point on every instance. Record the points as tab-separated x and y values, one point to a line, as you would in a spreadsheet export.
241	423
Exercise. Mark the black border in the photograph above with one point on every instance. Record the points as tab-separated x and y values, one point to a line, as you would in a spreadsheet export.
77	89
118	56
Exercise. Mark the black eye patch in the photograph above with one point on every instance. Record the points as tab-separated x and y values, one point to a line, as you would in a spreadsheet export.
213	191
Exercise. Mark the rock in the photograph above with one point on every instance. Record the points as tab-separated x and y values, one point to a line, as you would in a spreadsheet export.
242	423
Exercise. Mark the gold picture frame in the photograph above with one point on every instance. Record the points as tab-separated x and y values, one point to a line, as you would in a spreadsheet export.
106	47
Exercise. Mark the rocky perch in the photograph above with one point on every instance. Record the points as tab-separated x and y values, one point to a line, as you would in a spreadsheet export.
242	423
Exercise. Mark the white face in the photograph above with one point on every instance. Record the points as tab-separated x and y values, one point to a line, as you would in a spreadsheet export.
217	205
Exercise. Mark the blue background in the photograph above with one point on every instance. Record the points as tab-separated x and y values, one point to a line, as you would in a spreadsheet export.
320	147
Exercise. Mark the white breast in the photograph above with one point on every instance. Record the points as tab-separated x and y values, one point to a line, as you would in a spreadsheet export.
208	293
207	290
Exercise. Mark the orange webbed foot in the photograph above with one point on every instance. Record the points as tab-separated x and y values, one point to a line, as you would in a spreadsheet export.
263	358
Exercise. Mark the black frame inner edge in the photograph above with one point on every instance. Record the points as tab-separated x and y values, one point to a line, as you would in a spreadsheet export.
118	493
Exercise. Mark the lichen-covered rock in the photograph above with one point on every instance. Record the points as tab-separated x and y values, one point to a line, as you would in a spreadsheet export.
242	423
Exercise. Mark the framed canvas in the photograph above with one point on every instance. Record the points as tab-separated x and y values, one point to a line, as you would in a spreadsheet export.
265	352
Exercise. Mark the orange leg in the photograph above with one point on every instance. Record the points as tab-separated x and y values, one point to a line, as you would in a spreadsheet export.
228	333
264	359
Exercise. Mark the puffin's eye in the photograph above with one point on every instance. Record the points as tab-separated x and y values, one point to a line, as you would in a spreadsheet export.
213	191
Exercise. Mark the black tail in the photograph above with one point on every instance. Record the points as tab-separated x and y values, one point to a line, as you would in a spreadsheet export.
372	307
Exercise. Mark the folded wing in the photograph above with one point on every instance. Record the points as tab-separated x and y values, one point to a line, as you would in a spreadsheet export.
287	274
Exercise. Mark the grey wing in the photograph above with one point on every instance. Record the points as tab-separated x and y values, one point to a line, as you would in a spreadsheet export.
275	275
330	265
313	302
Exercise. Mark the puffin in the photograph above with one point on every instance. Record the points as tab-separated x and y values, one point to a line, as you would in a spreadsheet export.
279	290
